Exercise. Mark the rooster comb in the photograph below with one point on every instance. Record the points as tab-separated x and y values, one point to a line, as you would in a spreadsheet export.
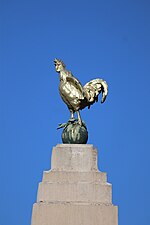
58	61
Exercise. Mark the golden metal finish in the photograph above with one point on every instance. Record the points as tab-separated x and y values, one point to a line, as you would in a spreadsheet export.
76	96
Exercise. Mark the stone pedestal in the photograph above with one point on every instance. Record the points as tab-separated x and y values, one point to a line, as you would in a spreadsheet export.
74	192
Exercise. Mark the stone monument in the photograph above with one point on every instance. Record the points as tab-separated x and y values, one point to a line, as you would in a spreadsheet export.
74	191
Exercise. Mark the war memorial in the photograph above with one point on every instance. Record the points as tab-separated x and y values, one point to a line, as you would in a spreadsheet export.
74	191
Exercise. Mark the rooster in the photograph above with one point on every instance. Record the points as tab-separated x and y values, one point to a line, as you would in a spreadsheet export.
76	96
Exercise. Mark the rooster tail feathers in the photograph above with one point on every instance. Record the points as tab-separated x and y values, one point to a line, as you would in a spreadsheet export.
104	91
93	88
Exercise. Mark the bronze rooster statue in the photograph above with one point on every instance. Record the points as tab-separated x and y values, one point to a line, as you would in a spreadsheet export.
76	96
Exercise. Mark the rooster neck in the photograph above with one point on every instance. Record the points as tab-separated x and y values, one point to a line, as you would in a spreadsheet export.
63	75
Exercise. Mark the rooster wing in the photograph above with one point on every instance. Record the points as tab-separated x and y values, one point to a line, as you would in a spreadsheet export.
71	92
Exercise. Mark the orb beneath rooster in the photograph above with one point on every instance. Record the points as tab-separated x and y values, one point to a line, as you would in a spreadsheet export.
74	133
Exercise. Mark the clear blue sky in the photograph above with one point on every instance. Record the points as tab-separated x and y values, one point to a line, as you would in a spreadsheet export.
106	39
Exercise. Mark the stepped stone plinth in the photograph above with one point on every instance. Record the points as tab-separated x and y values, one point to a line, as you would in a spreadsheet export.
74	191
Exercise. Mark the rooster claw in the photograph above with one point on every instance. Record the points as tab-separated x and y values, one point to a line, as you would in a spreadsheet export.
61	125
72	120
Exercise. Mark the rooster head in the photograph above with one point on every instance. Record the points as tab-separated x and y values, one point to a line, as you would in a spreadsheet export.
59	65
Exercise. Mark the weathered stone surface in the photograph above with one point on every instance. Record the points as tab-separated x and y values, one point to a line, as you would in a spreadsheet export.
74	214
74	191
74	176
74	157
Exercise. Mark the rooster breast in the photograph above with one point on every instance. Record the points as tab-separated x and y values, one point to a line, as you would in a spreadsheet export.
71	94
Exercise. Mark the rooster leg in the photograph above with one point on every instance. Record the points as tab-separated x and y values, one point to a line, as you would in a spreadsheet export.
71	114
79	118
